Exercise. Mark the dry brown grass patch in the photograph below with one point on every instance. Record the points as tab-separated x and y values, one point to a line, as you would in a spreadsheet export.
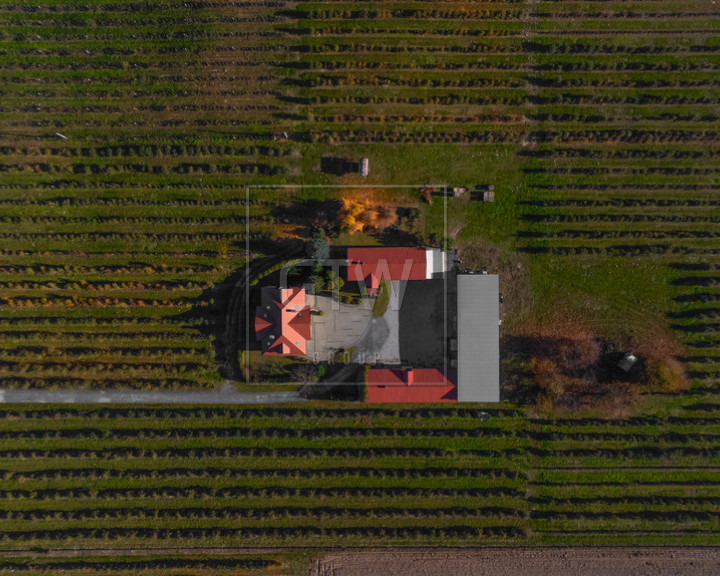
576	370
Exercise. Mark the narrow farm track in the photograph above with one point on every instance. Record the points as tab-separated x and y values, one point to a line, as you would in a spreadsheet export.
226	395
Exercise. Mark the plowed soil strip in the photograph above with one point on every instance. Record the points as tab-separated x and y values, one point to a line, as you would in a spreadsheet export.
523	562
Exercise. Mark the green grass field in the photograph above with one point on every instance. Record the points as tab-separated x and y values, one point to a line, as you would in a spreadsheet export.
128	135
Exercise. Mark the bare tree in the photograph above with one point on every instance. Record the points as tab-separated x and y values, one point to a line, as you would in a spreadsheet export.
305	374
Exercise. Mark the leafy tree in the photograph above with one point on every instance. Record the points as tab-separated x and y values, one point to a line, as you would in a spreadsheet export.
318	283
319	248
357	214
334	282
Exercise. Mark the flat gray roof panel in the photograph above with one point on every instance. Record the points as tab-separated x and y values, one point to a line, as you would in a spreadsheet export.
478	338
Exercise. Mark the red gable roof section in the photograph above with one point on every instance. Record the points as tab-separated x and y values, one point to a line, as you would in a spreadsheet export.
282	321
386	263
372	283
261	324
415	385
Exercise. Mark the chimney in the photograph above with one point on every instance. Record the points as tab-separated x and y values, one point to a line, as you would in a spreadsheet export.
410	376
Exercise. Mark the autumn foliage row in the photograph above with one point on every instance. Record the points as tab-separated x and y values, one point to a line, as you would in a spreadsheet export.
357	215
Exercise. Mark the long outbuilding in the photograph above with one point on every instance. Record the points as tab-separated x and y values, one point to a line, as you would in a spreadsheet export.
376	264
478	338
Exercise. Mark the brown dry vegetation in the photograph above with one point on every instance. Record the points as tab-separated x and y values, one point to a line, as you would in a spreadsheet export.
568	366
665	372
575	370
359	214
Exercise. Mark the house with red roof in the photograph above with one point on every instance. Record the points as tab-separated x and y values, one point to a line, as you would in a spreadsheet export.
461	333
282	321
387	385
372	265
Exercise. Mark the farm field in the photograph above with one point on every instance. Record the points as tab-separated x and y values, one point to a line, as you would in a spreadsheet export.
597	123
128	135
519	561
119	477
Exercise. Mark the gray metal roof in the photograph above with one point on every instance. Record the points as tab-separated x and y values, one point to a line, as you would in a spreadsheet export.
478	338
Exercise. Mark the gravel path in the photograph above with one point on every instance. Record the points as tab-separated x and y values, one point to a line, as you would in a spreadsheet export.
228	394
524	562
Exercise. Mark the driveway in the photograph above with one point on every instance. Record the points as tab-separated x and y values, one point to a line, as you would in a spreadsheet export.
339	328
380	344
423	323
228	394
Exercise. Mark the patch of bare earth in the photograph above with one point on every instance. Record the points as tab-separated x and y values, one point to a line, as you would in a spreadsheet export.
524	562
480	254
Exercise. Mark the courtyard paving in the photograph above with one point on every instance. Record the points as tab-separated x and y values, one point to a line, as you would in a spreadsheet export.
412	330
381	342
340	327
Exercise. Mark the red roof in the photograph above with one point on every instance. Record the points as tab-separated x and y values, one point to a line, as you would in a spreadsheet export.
386	263
415	385
282	321
372	283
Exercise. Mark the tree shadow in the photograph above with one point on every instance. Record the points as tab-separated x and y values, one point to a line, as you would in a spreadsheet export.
395	236
308	215
338	166
517	384
219	312
344	384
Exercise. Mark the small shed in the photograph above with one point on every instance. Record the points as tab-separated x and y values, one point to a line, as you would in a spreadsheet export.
483	193
340	166
627	362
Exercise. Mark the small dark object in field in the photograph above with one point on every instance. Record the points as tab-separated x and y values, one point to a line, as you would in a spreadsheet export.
627	362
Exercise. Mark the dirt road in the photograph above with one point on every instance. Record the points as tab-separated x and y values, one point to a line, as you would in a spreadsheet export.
523	562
